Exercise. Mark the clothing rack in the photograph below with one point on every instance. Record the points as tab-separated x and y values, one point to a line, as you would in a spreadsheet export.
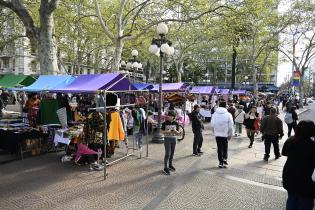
105	130
109	107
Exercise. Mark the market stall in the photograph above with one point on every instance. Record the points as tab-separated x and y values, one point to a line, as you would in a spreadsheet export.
107	115
143	86
12	80
175	95
48	82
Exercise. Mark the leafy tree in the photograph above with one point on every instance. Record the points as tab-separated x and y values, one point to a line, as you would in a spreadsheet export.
131	20
41	34
302	28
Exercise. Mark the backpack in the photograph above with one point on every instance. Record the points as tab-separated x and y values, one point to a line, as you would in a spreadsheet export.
288	119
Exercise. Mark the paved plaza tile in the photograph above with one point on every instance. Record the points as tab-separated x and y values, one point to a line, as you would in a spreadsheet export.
44	182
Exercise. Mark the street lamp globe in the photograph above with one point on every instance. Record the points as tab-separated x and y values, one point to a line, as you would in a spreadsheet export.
170	51
164	48
246	77
140	65
206	74
162	29
129	65
154	49
135	65
123	63
134	53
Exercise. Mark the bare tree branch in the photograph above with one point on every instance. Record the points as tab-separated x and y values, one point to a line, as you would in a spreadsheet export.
120	20
146	28
103	24
51	6
23	14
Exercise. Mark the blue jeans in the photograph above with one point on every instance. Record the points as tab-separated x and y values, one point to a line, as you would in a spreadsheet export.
169	144
296	202
138	137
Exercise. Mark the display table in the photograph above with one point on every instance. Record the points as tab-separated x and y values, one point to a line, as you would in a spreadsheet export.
65	136
19	141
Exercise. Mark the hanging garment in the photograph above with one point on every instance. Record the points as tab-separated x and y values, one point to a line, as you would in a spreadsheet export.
48	111
116	130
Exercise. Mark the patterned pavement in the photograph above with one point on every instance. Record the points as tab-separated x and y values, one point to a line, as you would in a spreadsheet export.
43	182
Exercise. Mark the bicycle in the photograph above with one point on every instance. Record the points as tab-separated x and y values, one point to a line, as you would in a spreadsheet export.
181	128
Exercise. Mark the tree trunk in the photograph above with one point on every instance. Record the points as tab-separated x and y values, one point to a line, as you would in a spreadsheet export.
119	45
47	53
179	70
234	55
254	69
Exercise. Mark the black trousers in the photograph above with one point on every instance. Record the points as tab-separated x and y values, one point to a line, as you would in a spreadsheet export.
251	136
274	140
169	144
198	139
87	159
290	127
222	147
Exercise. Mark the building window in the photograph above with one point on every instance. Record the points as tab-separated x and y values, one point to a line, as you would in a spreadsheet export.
6	63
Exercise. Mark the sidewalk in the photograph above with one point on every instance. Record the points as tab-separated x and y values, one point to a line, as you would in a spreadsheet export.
249	183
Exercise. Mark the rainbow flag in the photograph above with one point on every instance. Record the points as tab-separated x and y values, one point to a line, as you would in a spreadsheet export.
296	78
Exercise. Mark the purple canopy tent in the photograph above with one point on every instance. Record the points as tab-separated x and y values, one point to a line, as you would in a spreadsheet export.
170	87
143	86
224	91
112	82
239	92
202	89
90	83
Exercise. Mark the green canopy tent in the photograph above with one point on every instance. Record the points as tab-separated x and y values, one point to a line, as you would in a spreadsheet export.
12	80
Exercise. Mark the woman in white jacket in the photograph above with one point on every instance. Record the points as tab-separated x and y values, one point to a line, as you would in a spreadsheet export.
223	129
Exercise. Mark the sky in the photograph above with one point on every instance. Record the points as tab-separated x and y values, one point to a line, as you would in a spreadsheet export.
285	67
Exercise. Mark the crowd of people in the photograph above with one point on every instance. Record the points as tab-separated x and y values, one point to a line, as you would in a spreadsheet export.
259	117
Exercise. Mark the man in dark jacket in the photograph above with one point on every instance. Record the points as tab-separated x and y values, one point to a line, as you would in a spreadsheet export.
272	129
299	167
197	127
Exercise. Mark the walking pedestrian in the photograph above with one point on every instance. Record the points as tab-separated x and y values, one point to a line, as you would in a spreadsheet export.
197	127
291	118
299	167
222	126
170	129
239	120
251	119
284	101
272	130
267	109
232	110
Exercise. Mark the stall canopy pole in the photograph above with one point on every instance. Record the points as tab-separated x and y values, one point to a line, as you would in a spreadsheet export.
147	128
105	136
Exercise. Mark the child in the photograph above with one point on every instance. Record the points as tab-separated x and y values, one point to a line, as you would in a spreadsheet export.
170	130
239	120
